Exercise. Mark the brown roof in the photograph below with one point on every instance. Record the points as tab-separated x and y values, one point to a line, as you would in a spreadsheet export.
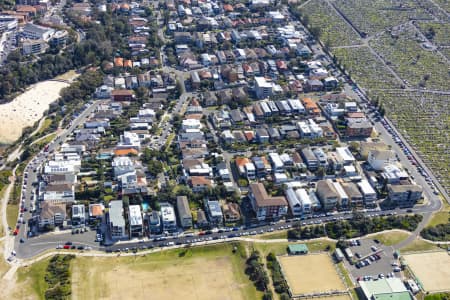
242	161
263	199
200	180
121	92
123	152
59	187
49	209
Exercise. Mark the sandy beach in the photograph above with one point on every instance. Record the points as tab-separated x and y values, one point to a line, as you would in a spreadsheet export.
27	108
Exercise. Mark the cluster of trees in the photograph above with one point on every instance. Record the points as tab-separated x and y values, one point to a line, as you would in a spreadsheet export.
305	233
361	225
57	277
279	283
4	178
437	233
255	271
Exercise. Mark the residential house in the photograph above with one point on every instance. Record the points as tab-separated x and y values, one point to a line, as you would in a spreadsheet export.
184	213
378	159
135	223
327	194
78	215
404	194
116	220
51	214
168	218
214	212
355	197
231	212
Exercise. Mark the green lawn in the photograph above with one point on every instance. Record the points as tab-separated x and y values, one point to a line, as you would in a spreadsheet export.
272	236
281	248
440	296
31	280
419	245
42	142
12	211
442	216
391	238
45	125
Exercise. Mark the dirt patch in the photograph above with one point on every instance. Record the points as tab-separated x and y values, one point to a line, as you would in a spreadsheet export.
432	269
211	279
312	273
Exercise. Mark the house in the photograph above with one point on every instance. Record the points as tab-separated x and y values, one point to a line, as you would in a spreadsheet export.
202	221
122	95
295	204
209	98
345	156
266	206
223	172
168	218
355	197
200	183
343	197
78	216
245	168
276	162
327	194
59	192
358	127
310	159
404	194
314	85
263	88
184	213
231	212
378	159
369	194
116	220
135	223
51	215
214	212
262	135
154	222
311	107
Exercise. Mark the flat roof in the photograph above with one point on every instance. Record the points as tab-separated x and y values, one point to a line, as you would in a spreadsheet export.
298	248
386	288
135	215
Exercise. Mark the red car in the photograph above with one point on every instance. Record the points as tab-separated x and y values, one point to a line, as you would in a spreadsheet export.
66	247
16	231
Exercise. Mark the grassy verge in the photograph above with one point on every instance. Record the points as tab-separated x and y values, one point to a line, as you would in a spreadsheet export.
273	236
281	248
442	216
45	125
440	296
31	280
42	142
419	245
391	238
348	280
12	211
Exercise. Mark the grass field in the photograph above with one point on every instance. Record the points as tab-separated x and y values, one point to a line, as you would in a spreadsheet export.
197	273
310	273
419	245
432	269
12	211
272	236
45	125
391	238
441	217
281	248
31	282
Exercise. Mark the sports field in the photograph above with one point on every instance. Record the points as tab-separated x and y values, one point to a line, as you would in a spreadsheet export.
312	273
214	275
432	269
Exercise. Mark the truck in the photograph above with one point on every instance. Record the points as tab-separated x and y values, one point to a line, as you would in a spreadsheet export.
348	253
338	254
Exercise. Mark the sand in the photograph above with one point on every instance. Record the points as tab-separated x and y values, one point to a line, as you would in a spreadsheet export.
432	269
312	273
27	108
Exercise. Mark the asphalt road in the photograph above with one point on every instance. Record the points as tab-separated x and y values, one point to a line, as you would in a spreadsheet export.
23	249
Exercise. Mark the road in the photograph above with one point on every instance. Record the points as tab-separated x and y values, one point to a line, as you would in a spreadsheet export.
28	194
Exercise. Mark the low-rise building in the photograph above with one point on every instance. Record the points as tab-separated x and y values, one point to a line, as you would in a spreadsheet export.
266	206
116	220
367	191
184	213
135	221
214	211
327	194
169	220
231	212
51	215
378	159
404	194
78	215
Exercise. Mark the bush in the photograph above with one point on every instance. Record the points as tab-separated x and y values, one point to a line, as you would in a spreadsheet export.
439	232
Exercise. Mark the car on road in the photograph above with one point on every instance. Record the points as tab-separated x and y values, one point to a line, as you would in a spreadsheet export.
66	247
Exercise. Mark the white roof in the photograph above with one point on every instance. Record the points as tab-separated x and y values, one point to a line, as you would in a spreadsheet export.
340	190
303	196
135	215
276	160
262	82
167	213
365	187
345	154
